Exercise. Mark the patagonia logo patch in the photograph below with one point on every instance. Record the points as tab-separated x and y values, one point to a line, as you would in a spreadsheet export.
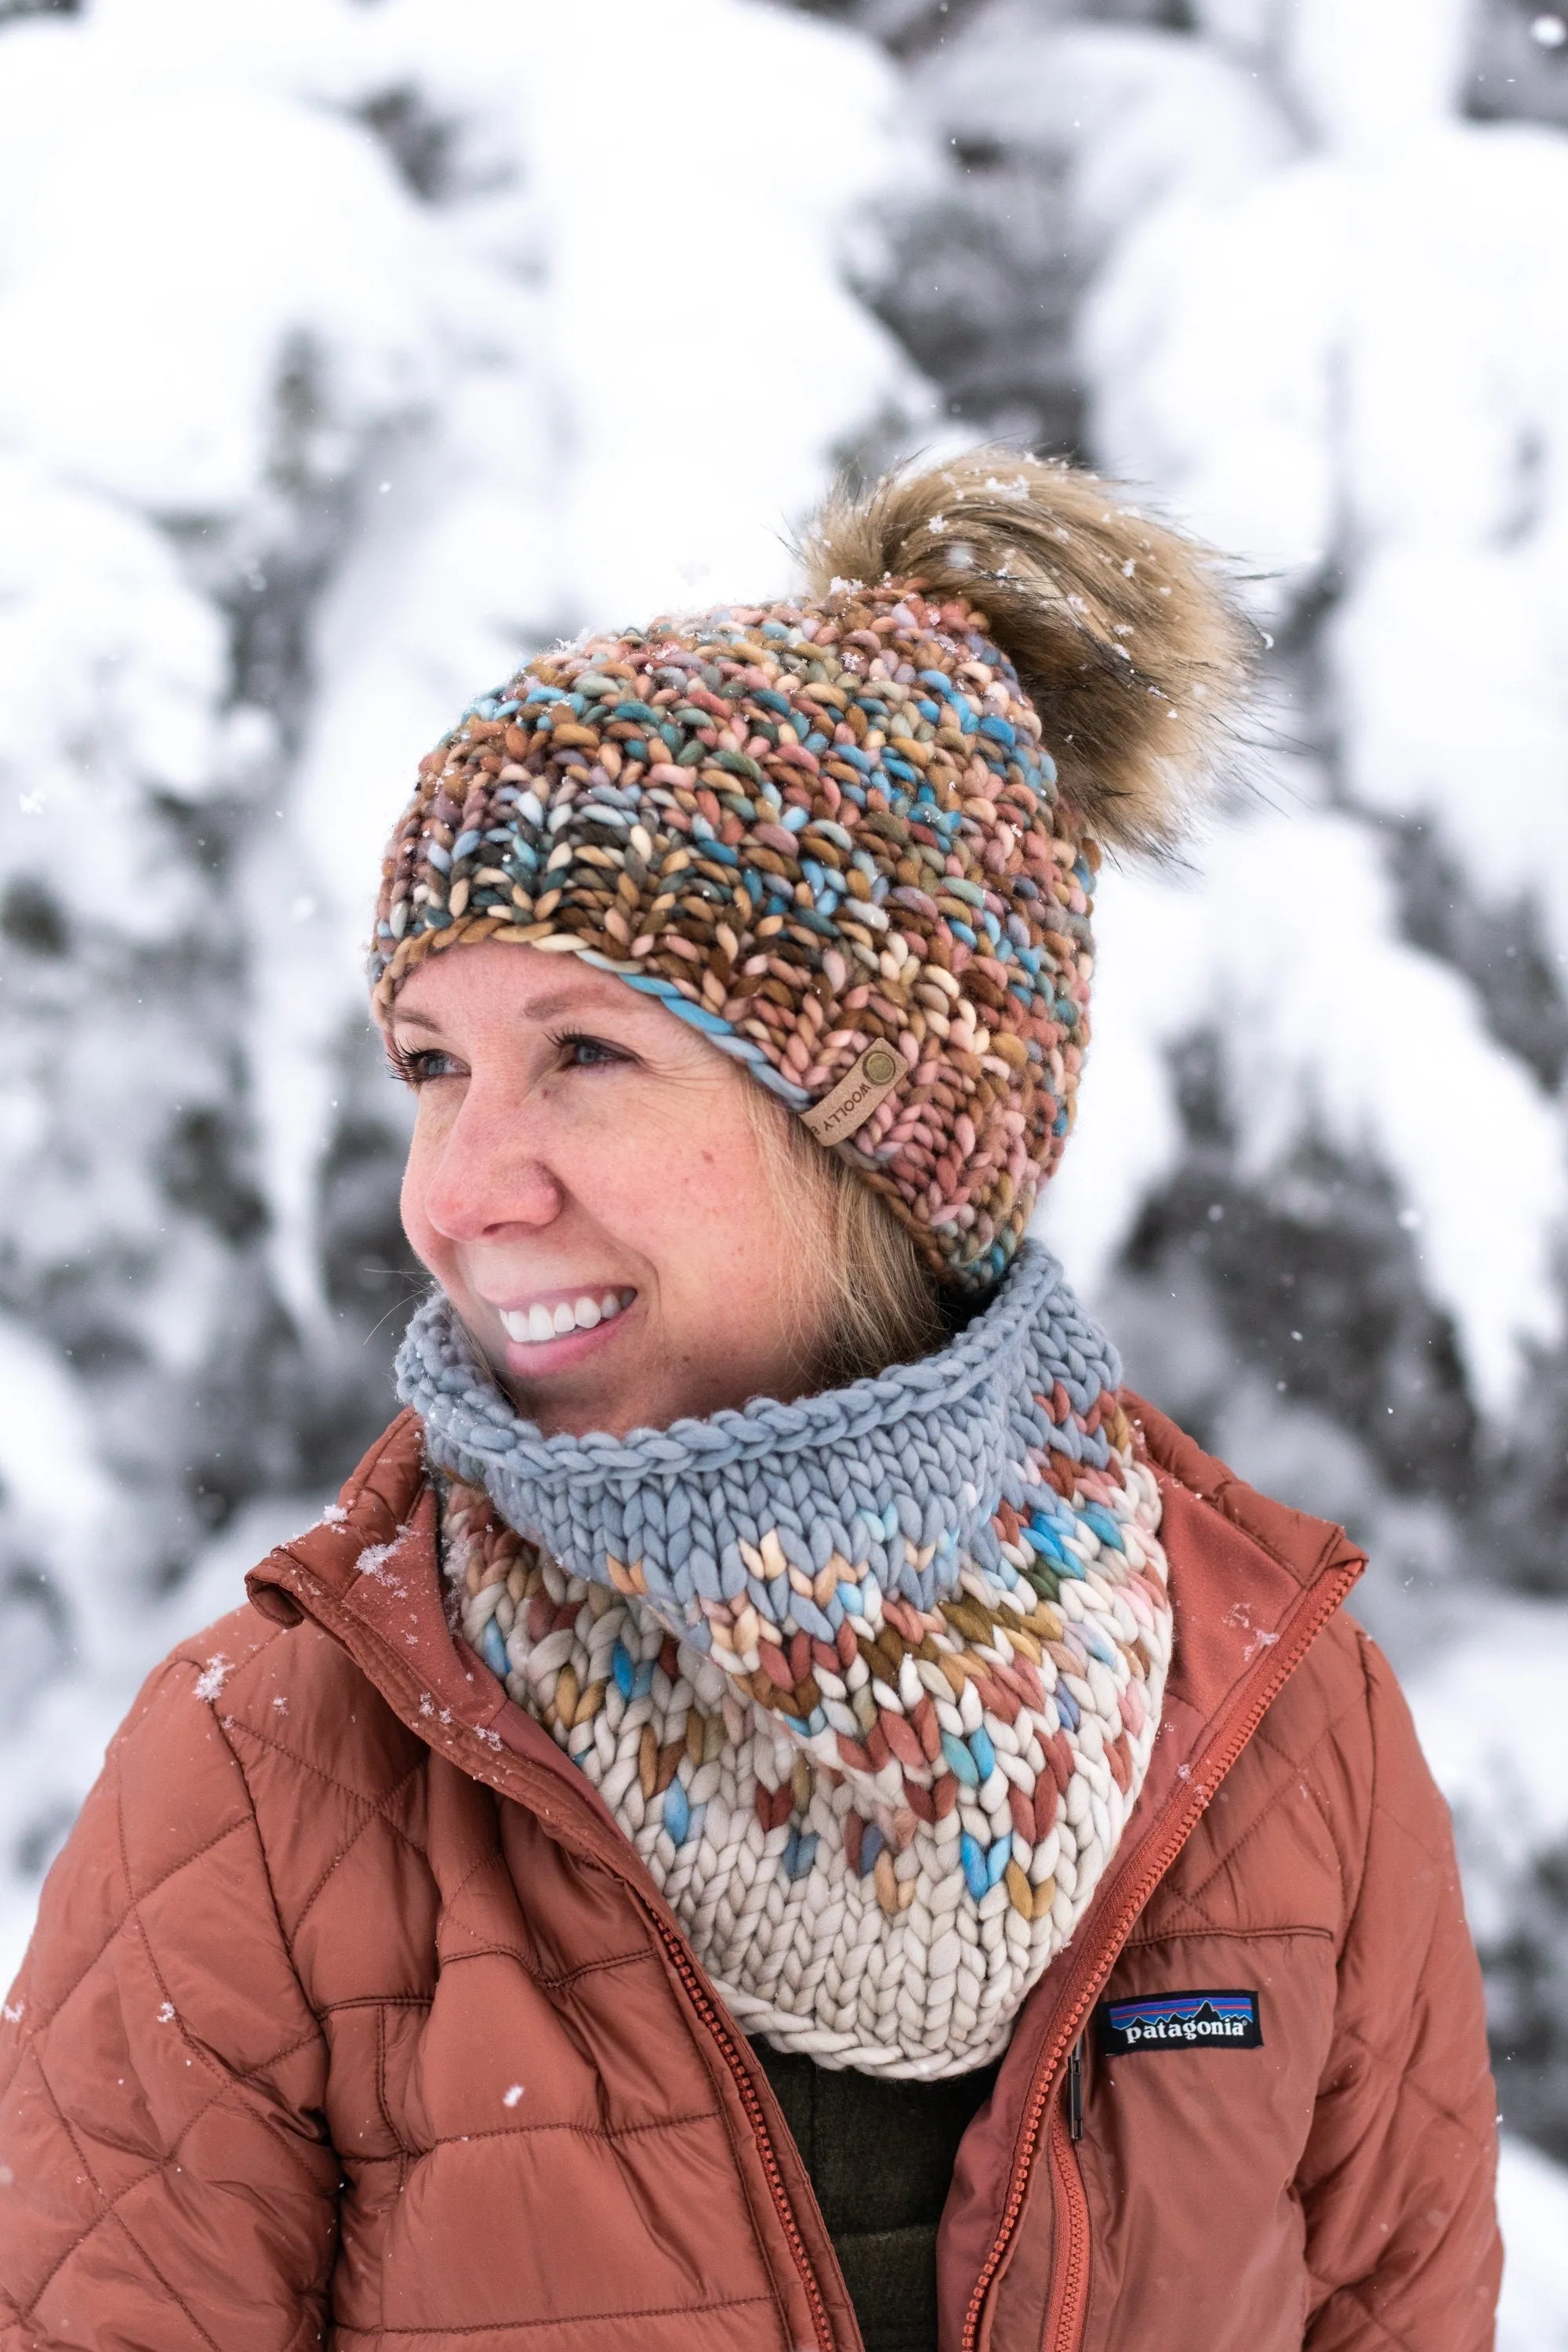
1180	2021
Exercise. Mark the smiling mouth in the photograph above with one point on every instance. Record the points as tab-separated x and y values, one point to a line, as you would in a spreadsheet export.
530	1326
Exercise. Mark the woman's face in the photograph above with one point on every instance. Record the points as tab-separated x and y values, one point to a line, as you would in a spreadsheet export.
586	1185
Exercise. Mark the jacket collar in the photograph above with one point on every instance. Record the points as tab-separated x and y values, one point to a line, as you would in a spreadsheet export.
368	1574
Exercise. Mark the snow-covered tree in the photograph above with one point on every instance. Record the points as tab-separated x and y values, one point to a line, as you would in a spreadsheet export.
345	353
1318	306
1292	270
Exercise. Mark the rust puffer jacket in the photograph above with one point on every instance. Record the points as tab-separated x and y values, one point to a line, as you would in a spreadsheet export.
351	2018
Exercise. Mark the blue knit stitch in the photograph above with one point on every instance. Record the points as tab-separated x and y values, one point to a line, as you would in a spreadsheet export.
918	1458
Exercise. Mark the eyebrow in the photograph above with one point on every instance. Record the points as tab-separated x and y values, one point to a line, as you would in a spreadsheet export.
543	1008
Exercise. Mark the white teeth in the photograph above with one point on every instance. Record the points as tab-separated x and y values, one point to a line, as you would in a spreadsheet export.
528	1325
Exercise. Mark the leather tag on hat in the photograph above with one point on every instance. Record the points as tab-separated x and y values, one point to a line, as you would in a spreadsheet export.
863	1087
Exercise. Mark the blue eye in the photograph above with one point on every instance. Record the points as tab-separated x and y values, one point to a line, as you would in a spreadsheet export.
580	1053
415	1069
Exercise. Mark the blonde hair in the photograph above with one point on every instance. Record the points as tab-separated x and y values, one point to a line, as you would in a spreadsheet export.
867	1298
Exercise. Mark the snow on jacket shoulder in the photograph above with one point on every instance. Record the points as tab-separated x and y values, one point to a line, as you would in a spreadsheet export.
351	2018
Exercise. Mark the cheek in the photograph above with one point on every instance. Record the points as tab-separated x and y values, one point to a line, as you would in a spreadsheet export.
661	1201
693	1198
719	1212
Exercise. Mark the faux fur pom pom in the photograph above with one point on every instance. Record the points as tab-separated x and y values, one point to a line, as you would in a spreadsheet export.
1121	631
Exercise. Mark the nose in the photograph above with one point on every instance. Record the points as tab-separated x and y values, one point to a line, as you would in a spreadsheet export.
486	1177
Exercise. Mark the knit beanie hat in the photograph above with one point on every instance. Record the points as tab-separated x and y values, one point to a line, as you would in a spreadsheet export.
852	838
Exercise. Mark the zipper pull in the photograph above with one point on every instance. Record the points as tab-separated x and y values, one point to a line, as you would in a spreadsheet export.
1075	2090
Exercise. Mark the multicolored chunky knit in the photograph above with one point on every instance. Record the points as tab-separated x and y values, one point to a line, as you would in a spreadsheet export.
871	1680
805	831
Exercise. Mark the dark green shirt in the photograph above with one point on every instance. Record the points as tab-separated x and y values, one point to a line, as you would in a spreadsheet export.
880	2157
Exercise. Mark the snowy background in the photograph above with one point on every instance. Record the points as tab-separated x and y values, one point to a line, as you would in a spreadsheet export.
349	346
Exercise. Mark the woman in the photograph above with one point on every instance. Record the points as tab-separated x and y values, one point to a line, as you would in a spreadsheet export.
782	1808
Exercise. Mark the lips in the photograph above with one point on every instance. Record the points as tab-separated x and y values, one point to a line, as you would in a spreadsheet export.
530	1326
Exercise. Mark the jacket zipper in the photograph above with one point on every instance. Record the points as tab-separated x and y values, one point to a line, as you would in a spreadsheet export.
1069	2237
705	2010
1069	2280
1046	2076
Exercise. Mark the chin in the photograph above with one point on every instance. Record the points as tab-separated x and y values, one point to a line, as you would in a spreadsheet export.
565	1407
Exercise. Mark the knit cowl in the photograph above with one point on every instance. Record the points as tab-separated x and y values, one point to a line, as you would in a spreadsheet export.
869	1680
